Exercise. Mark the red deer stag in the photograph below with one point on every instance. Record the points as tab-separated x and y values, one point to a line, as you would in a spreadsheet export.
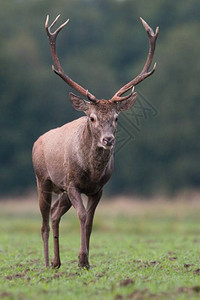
78	157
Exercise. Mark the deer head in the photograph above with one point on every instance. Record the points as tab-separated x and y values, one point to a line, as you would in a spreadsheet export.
102	117
102	114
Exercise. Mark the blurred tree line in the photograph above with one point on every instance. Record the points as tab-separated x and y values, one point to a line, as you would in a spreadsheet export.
103	47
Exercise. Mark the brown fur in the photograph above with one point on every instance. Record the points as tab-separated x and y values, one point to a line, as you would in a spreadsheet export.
71	160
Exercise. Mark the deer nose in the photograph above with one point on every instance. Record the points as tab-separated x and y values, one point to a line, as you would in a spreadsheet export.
109	140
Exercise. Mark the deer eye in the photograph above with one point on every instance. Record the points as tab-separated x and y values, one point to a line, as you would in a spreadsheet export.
116	117
92	118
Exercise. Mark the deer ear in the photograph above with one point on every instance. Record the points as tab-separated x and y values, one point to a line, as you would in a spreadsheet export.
127	103
78	103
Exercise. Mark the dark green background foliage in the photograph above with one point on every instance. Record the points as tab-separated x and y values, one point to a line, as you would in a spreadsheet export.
103	47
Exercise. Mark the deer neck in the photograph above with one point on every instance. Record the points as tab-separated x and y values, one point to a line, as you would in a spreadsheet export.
95	158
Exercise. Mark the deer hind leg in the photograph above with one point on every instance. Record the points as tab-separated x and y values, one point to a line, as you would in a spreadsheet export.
44	196
59	208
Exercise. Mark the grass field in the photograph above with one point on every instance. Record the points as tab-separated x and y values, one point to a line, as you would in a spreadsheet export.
139	250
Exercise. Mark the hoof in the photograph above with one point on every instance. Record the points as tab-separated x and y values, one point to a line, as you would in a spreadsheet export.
46	266
83	261
55	264
81	265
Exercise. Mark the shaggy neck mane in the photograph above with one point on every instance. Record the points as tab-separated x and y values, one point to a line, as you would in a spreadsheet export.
96	158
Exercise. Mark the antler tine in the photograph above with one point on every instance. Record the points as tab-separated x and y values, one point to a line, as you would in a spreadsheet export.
58	69
145	71
48	28
47	23
119	98
152	43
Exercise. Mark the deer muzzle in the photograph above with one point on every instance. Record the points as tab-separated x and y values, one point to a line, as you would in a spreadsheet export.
108	141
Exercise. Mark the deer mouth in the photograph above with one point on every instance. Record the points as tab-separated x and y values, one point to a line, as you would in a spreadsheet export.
106	144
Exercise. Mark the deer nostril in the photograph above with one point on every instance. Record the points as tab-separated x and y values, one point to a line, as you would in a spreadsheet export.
109	140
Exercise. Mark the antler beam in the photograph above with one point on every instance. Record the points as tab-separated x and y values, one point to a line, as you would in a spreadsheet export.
57	67
145	71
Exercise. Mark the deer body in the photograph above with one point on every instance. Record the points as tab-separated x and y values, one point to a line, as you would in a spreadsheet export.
70	154
77	158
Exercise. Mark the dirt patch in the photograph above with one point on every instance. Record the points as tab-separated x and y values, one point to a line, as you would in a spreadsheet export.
34	261
146	294
171	253
195	241
6	295
172	258
74	261
15	276
193	289
119	297
187	266
153	263
100	274
137	261
139	295
58	275
197	271
146	264
127	281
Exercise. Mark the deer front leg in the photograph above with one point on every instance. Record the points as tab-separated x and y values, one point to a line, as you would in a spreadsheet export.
60	207
91	207
76	200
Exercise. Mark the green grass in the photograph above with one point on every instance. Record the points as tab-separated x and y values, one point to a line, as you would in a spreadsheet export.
150	254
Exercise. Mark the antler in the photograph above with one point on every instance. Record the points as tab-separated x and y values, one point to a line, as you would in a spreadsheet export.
145	71
58	69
